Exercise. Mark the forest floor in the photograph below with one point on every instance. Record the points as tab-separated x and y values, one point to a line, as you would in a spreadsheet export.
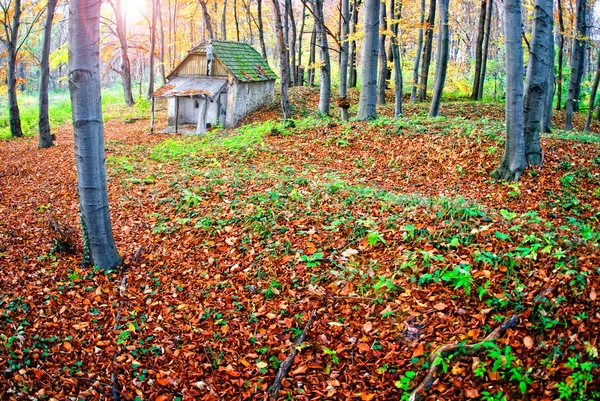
391	232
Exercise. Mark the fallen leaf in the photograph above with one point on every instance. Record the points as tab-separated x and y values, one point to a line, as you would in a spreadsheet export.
440	306
472	393
593	294
419	351
163	381
67	345
528	342
367	326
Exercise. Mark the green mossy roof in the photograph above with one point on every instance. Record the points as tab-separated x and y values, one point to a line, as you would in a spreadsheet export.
244	62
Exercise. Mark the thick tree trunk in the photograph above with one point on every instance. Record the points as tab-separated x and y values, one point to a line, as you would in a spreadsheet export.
353	74
427	51
442	60
261	34
45	138
311	59
486	47
577	63
84	83
283	61
413	93
513	161
561	52
588	120
325	79
224	21
536	83
154	10
367	104
479	50
343	102
396	14
382	75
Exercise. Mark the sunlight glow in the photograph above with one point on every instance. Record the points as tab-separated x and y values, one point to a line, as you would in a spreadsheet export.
135	9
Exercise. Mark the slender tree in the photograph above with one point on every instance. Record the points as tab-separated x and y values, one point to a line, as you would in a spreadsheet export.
261	34
367	106
577	63
413	93
513	161
396	14
10	40
382	75
45	136
163	75
84	79
353	74
224	21
442	59
536	82
561	52
325	79
283	61
300	71
311	58
486	47
207	20
151	55
588	120
548	107
343	102
289	9
120	31
479	50
427	50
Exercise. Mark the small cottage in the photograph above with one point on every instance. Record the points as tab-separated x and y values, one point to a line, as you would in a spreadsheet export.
218	82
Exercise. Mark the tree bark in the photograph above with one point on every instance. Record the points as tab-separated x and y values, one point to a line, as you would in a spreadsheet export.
325	79
45	136
413	93
588	120
547	112
396	15
284	61
261	34
88	130
479	50
427	51
343	103
536	82
163	75
11	41
224	21
442	60
367	104
311	59
293	69
561	52
125	68
382	75
207	21
577	63
486	47
154	10
300	69
353	74
513	161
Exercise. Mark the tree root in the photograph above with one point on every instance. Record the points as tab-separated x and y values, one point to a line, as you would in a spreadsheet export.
448	349
285	366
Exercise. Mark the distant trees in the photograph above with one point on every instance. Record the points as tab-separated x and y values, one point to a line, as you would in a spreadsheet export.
88	130
45	136
119	29
577	63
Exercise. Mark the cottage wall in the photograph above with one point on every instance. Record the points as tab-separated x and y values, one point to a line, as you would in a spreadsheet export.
195	66
245	97
188	112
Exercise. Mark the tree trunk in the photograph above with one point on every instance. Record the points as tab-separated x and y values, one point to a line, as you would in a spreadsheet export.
536	83
343	101
88	130
561	52
479	50
45	138
325	79
207	21
152	47
413	93
261	33
427	51
284	62
396	15
163	75
353	74
442	60
588	120
547	112
236	21
224	21
367	104
125	68
300	69
11	43
513	161
486	47
293	69
311	59
382	75
577	61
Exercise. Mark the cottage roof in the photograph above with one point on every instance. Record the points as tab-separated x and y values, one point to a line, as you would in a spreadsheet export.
191	86
241	59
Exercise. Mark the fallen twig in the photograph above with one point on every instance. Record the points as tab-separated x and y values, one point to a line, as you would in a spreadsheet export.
285	366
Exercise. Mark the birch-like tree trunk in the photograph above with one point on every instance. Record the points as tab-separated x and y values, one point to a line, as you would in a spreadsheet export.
367	103
88	130
283	61
442	59
536	82
577	63
479	50
427	51
343	102
382	75
513	161
325	79
413	93
45	136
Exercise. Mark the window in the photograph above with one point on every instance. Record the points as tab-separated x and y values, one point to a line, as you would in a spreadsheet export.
196	104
